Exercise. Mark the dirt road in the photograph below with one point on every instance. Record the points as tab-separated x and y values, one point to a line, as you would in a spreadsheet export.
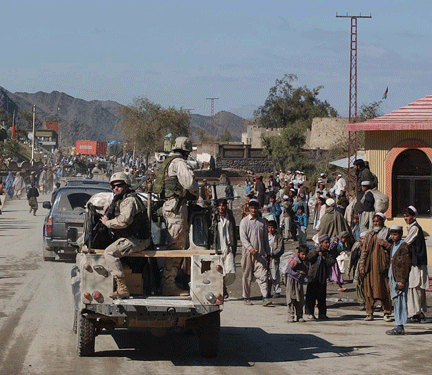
36	322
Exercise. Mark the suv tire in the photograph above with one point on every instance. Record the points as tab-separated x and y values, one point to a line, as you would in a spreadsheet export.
86	334
209	335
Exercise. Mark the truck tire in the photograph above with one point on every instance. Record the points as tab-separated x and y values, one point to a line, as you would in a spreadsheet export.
209	335
75	321
86	334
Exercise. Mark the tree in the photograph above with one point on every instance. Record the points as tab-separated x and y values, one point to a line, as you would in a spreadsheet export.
145	124
292	109
286	104
5	119
370	111
202	136
26	118
225	137
285	150
9	149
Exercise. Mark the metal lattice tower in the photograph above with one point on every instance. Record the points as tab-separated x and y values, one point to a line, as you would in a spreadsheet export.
212	123
352	113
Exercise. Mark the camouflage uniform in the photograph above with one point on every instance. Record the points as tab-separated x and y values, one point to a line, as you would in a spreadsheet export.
126	209
177	222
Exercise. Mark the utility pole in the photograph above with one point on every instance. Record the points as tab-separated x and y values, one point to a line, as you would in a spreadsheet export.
212	123
34	135
352	113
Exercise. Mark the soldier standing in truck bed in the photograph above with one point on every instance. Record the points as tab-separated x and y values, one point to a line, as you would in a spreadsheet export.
175	182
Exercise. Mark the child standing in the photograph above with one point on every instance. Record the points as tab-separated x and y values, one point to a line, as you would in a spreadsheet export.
276	243
296	271
321	260
335	274
302	225
400	266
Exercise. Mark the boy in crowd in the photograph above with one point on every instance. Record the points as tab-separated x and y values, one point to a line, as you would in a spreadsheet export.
400	265
296	272
321	261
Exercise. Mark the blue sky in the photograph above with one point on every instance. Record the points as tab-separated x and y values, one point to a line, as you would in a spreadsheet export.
178	53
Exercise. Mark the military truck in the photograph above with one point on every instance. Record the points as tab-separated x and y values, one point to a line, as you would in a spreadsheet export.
146	308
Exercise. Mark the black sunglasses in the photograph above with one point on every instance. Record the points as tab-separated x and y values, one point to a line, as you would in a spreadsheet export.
117	185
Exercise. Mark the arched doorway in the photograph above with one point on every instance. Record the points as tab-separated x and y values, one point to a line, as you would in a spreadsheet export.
412	182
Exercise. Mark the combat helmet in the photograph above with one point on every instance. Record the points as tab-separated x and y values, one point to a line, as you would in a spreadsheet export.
120	177
183	144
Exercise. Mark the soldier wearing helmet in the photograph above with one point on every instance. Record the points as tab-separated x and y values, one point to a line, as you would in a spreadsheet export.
127	217
175	182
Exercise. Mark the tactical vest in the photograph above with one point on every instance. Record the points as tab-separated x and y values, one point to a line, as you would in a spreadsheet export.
140	227
165	186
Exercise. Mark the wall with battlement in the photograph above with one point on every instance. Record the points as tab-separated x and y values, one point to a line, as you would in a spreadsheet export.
254	134
326	132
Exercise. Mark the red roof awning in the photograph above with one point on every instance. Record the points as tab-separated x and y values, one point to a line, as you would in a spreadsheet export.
414	116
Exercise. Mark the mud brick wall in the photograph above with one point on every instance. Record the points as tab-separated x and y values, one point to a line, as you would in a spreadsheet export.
258	165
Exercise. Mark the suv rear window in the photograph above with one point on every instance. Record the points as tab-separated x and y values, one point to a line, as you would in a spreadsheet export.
73	201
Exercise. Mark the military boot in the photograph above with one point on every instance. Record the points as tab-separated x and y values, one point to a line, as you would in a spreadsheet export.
122	290
169	287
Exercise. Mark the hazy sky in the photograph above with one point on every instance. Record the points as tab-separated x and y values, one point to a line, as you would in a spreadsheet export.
177	53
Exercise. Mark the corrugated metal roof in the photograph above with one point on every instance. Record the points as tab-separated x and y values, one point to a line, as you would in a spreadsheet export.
343	163
414	116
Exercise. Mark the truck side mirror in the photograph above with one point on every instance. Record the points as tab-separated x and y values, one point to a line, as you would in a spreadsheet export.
47	205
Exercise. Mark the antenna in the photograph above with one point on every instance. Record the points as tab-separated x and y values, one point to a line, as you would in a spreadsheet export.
212	123
352	113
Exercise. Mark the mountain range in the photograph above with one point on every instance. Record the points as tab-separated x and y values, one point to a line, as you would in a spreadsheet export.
96	119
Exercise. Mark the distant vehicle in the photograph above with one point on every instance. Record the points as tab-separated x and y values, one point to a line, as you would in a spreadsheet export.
193	162
87	182
91	147
66	217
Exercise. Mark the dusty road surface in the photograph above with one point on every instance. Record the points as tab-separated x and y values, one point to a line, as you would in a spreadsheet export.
36	335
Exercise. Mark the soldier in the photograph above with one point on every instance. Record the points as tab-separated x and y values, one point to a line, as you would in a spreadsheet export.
175	182
127	218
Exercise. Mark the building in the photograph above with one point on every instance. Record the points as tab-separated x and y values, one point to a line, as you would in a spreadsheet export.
398	147
254	135
326	133
48	139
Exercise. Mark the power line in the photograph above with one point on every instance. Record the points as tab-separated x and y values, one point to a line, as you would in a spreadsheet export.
352	112
212	123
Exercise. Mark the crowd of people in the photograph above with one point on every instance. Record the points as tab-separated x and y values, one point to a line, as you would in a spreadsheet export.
351	242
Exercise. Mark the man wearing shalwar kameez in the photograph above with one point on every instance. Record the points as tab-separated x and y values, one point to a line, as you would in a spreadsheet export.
18	185
418	278
255	247
226	242
374	265
399	270
333	222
